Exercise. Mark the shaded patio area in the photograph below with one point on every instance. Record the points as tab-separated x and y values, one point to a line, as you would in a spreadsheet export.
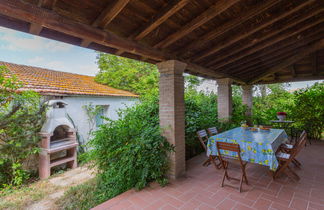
200	188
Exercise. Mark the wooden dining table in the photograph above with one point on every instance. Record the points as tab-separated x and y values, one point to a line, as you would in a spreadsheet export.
258	146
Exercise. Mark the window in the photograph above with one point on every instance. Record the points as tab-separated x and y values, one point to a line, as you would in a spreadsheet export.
101	112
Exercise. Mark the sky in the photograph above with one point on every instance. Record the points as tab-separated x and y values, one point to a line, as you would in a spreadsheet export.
22	48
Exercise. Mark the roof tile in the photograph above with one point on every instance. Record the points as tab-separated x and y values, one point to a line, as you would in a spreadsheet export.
47	81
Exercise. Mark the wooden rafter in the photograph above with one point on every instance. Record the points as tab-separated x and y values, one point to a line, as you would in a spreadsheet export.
212	74
49	19
228	25
219	7
276	51
35	29
291	60
292	79
270	61
270	39
48	4
293	70
157	20
240	36
109	13
315	63
106	16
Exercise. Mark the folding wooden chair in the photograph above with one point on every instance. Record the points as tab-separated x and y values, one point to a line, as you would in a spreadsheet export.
224	146
203	138
212	131
289	148
286	158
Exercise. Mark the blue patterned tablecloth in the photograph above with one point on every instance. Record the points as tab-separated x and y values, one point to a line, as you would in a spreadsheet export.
256	146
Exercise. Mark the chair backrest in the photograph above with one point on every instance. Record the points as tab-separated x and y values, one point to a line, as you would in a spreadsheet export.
212	131
225	146
203	138
300	143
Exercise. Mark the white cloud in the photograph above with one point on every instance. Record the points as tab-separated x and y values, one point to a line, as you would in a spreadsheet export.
35	60
90	70
55	65
14	41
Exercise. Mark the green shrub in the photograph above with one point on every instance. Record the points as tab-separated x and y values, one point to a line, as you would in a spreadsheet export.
130	152
308	111
21	118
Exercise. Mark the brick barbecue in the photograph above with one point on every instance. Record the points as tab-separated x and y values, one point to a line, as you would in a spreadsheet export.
58	136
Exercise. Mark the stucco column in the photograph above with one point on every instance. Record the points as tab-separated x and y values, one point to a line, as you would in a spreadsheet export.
172	112
224	99
247	99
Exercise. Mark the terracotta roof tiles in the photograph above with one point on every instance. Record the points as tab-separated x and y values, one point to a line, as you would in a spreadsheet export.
45	81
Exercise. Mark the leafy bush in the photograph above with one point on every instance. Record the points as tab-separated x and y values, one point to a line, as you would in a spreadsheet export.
21	117
265	107
308	111
130	152
83	196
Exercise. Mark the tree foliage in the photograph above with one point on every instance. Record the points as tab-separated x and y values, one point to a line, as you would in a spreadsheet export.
21	117
127	74
308	110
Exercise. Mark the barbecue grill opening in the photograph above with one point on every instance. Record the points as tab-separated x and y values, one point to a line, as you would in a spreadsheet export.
60	132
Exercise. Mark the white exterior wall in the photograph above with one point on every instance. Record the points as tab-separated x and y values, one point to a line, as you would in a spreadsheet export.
77	112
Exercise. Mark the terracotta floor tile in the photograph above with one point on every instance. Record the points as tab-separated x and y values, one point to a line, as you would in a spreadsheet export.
297	203
262	204
200	189
226	204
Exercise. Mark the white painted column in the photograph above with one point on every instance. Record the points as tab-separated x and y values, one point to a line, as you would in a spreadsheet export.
172	112
224	99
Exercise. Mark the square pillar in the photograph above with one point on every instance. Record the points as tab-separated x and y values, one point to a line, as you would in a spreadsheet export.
224	99
172	112
247	99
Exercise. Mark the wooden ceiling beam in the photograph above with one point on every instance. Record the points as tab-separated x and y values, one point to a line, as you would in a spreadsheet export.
241	36
254	67
291	60
157	20
35	29
293	70
109	13
244	51
315	63
293	79
47	4
106	16
280	50
212	74
229	25
214	10
31	13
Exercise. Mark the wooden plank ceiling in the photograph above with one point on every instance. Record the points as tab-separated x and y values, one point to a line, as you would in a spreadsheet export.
251	41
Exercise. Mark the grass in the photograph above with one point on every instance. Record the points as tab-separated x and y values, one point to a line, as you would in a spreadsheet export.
25	195
83	196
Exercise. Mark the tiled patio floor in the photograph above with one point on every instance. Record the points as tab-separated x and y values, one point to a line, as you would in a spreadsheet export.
200	189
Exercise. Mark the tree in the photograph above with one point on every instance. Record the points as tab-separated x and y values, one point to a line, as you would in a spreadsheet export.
127	74
21	116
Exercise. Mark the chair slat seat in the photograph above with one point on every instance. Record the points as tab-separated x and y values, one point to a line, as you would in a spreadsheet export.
203	139
282	155
285	158
225	146
212	131
288	146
